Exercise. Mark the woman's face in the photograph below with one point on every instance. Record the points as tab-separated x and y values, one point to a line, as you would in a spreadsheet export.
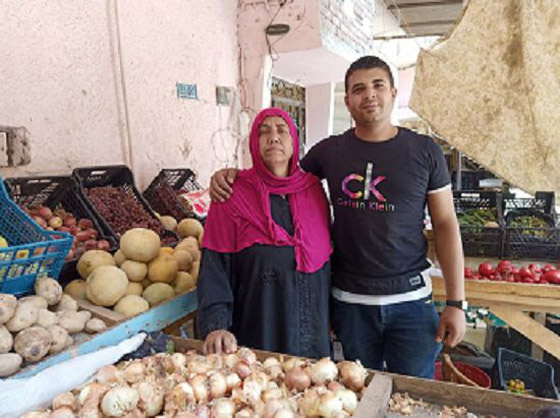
276	143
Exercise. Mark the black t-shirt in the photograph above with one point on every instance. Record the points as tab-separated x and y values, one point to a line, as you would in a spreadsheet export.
378	193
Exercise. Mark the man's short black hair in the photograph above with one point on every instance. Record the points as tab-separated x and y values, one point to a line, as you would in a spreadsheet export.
366	63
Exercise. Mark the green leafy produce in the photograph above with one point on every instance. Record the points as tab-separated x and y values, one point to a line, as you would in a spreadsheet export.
478	217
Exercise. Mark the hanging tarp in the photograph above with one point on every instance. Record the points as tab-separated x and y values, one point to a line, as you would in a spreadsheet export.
491	88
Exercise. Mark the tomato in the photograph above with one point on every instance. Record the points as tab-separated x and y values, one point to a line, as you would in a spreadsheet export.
552	276
515	270
477	277
504	266
525	273
535	268
468	273
485	269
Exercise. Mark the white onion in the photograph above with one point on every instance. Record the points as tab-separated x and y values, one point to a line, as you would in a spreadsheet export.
65	399
91	394
323	371
134	372
232	381
292	362
247	355
199	384
198	365
252	390
271	394
218	385
297	379
151	398
245	413
64	412
107	374
349	400
179	361
202	411
243	370
284	413
231	360
352	374
330	405
223	408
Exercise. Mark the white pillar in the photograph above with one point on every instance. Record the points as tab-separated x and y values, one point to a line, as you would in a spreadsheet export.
319	111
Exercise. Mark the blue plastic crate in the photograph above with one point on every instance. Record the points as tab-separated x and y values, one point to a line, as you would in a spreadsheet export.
32	252
538	376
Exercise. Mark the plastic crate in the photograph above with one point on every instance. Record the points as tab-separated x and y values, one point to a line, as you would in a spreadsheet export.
58	192
32	252
164	188
482	242
541	244
119	177
479	241
542	202
538	376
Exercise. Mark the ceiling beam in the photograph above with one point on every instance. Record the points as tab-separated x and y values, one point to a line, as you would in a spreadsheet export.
407	3
430	23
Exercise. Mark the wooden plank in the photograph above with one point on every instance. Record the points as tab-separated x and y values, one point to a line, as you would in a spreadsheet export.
108	315
536	351
477	400
530	328
547	291
375	400
524	303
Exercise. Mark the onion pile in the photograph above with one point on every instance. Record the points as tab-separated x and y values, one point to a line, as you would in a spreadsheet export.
194	386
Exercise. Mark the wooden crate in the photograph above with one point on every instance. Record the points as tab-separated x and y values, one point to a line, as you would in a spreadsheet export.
381	386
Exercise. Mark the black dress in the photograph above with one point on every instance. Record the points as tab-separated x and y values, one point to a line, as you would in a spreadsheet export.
258	295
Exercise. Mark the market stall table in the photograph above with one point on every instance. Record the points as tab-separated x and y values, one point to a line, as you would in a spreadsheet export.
510	302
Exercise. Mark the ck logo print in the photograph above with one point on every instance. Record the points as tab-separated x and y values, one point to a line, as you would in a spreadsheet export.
368	185
360	189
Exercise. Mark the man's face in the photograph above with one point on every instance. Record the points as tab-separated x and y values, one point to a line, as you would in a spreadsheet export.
370	97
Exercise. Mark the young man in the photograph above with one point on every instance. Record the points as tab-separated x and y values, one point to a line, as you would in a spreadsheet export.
380	178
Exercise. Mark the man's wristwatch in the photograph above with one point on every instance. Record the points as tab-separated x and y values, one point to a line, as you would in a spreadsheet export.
461	304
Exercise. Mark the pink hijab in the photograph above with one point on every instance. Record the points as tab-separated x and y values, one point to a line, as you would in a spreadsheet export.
245	219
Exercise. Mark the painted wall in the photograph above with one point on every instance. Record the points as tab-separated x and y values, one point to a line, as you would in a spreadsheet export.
95	83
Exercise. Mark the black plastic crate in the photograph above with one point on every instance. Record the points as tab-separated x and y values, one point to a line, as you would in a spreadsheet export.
468	201
162	193
541	244
475	209
538	376
119	177
57	192
482	242
542	202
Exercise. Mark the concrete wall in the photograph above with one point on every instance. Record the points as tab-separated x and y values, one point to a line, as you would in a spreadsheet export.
95	83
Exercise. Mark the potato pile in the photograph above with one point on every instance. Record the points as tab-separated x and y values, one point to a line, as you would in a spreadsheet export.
34	326
142	273
229	385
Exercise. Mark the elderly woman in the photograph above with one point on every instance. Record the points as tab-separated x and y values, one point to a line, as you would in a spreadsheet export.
265	272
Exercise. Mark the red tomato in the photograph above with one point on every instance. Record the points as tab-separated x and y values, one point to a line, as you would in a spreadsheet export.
535	268
552	276
525	273
477	277
515	270
504	266
468	273
485	269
